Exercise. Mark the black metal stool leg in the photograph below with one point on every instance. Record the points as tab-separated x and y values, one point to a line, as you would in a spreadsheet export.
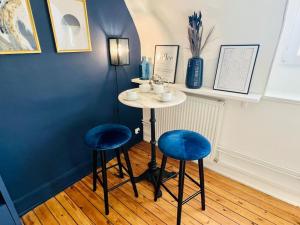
104	181
201	175
121	175
95	155
125	152
180	190
159	181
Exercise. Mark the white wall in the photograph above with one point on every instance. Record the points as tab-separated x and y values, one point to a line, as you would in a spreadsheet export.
259	143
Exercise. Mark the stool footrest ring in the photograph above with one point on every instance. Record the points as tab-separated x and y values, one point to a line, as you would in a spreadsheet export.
175	198
107	168
117	185
192	179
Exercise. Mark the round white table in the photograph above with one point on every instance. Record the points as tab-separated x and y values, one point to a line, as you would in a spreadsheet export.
150	100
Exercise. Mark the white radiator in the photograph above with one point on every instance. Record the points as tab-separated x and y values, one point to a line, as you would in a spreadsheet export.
198	114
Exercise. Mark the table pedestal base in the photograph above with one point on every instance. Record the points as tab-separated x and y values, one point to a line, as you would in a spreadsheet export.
151	176
152	173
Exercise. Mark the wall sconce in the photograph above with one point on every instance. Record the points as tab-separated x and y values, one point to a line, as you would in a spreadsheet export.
119	51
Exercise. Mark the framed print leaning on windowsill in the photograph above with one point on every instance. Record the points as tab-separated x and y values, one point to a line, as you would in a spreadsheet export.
165	62
70	25
235	68
17	28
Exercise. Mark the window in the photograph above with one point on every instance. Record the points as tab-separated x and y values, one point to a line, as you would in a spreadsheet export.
291	54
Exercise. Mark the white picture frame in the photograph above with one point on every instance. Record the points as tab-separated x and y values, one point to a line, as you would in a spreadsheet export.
70	25
235	68
165	62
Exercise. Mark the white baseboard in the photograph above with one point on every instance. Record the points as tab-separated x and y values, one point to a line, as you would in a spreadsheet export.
281	183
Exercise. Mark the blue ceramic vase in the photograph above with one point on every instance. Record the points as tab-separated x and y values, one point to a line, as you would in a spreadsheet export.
194	74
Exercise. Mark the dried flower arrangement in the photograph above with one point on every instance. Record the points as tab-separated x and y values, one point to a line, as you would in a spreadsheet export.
195	31
157	79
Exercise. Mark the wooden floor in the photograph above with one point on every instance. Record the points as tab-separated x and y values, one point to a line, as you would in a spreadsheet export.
227	202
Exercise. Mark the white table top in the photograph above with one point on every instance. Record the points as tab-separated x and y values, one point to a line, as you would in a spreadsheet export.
150	100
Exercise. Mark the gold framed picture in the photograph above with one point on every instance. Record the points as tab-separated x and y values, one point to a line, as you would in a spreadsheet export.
17	28
70	25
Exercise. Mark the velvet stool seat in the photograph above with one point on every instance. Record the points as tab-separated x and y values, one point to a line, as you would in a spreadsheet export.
109	137
183	145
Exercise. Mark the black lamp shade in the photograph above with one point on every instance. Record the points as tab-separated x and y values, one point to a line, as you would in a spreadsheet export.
119	51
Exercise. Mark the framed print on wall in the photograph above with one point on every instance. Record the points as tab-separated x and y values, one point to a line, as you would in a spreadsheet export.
17	28
70	25
165	62
235	68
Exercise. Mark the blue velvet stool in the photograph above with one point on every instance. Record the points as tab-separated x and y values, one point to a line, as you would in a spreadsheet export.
109	137
183	145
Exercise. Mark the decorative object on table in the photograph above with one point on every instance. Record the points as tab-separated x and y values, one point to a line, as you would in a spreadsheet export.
17	28
143	68
119	51
70	25
157	79
166	96
158	84
158	88
194	75
165	62
144	87
149	68
235	68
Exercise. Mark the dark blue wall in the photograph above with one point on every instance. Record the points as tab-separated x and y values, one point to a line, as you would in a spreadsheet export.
48	101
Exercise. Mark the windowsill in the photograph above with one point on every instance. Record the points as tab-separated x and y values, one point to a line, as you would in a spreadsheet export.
283	99
209	92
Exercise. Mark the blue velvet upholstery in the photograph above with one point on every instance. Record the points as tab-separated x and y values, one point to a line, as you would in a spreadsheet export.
184	145
107	136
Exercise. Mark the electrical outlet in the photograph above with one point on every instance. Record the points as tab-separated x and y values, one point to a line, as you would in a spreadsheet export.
137	130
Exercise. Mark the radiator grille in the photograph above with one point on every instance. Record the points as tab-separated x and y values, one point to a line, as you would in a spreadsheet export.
198	114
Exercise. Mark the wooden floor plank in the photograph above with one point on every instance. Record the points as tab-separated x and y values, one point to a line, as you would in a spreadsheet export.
44	215
228	202
239	201
257	202
195	214
269	216
98	203
131	202
30	219
216	206
122	209
78	216
275	206
284	206
60	214
163	209
87	208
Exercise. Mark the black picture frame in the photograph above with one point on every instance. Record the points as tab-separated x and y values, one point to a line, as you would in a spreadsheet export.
176	63
256	47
